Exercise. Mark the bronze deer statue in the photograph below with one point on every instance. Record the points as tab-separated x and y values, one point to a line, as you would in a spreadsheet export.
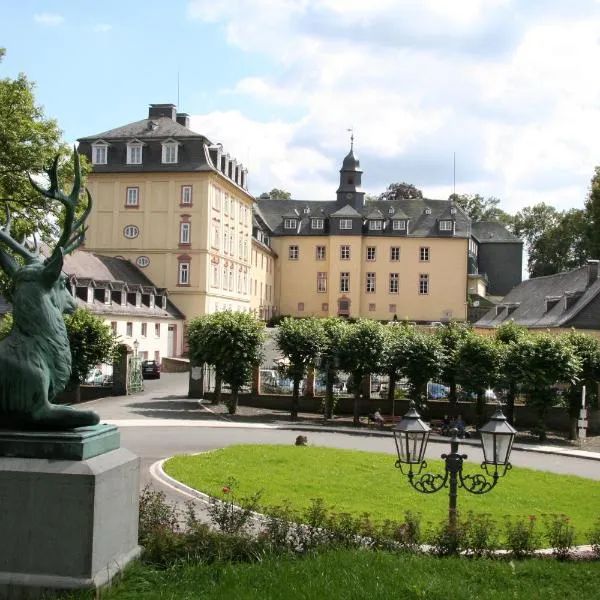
35	358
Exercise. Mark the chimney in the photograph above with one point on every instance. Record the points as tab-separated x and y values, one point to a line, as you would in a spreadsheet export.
162	110
592	273
183	119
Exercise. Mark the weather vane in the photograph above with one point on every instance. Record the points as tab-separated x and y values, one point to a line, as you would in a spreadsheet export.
351	130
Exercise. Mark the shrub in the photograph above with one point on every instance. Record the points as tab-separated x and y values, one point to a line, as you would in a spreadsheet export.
594	538
560	534
481	535
522	537
447	539
232	515
155	514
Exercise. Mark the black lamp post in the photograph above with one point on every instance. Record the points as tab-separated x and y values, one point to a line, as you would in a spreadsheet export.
411	436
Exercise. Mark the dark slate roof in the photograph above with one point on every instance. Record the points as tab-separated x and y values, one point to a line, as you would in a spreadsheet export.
101	271
165	128
420	223
5	306
492	231
527	301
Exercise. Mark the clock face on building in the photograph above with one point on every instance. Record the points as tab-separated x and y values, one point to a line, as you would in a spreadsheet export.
349	196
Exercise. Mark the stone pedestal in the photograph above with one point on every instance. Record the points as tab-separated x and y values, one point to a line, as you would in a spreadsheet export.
66	524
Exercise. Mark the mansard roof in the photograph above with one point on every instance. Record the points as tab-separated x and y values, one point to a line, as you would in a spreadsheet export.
160	128
492	231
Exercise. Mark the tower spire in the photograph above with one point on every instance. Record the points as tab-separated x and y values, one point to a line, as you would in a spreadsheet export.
351	130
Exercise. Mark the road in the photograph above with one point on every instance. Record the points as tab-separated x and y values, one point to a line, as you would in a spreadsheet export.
161	422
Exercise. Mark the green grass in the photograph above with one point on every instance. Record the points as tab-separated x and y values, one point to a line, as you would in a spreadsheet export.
367	482
357	575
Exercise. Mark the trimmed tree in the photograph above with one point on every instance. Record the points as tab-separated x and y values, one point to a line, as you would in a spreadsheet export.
393	356
199	346
360	354
451	337
300	341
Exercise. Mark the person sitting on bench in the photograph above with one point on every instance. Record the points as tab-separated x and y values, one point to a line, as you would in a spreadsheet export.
377	418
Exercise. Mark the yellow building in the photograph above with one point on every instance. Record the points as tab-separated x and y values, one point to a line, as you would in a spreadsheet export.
177	206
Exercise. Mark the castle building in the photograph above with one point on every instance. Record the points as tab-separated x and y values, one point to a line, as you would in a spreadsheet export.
176	205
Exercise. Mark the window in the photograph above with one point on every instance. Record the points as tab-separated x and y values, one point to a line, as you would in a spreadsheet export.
226	241
445	225
325	306
371	307
300	306
186	195
321	253
246	248
184	273
344	252
392	308
345	223
290	223
317	223
370	252
424	254
157	329
129	329
216	235
131	231
216	201
344	282
399	225
321	282
184	233
230	279
215	275
144	329
142	261
231	243
394	283
99	153
113	326
132	196
395	253
423	283
134	154
370	283
293	252
169	152
375	225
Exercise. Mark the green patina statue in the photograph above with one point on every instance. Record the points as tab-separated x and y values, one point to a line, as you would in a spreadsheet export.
35	358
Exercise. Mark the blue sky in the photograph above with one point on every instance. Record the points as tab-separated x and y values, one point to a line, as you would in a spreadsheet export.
509	85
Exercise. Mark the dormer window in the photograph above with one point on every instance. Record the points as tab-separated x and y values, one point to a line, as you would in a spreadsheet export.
306	210
446	225
317	223
290	223
134	153
399	225
169	152
345	223
106	296
99	153
391	210
427	211
375	225
453	211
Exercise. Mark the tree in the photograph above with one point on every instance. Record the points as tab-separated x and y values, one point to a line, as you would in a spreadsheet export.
199	349
393	356
587	349
360	354
592	217
29	142
451	337
300	341
92	342
276	194
477	369
328	361
6	323
400	191
479	208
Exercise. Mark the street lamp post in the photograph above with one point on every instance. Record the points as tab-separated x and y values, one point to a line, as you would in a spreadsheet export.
411	436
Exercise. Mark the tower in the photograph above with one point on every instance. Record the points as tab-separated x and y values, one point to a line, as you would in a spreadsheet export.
349	191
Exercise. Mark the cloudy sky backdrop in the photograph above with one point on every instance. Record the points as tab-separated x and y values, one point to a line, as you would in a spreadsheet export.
510	86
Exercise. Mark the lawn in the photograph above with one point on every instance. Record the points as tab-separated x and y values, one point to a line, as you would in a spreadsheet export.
366	482
358	575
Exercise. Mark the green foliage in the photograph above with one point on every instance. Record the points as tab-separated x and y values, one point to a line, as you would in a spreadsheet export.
522	535
451	336
276	194
400	191
6	323
509	331
560	534
479	208
593	537
592	217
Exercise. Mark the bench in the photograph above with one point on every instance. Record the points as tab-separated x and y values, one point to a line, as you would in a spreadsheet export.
387	420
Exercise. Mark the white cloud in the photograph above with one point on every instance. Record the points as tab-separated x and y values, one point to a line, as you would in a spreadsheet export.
510	88
48	19
102	27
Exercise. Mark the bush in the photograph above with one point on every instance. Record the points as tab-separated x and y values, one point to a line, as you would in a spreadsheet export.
594	538
522	537
448	540
232	515
481	535
155	514
560	534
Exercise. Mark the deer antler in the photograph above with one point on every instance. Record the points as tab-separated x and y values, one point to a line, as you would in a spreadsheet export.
7	262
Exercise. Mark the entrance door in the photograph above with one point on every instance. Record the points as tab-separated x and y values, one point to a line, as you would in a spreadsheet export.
171	340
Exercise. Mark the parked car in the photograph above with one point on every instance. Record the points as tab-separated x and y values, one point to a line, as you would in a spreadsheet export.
150	369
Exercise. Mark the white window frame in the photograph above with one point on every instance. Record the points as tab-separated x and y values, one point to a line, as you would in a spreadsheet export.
322	282
293	252
345	223
394	253
317	223
320	252
371	253
370	283
185	230
445	225
290	223
184	273
134	153
132	196
423	284
170	153
99	153
394	283
399	224
424	254
186	195
345	282
375	224
345	252
215	276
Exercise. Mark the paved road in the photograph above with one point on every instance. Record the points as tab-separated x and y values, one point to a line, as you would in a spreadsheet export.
161	422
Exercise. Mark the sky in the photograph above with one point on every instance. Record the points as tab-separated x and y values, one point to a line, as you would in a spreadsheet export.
508	87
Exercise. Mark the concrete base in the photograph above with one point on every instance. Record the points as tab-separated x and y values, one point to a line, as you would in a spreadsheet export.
66	524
